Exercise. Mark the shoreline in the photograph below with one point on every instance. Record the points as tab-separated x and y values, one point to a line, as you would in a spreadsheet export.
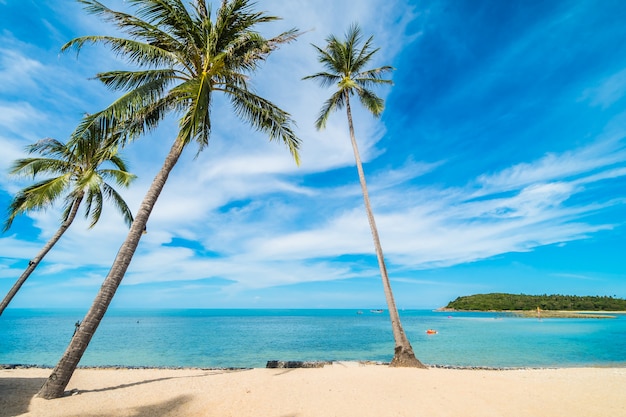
341	389
545	314
314	364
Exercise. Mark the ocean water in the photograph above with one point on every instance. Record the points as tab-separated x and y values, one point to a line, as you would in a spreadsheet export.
249	338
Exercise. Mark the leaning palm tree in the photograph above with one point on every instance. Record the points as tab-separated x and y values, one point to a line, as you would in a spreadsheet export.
80	171
184	56
345	63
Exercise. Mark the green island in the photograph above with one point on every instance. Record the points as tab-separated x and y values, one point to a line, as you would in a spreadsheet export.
545	306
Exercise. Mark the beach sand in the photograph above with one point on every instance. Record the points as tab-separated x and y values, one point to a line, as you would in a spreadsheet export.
341	389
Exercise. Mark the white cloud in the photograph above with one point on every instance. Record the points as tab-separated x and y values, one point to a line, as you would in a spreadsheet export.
608	92
17	71
603	153
16	116
445	227
245	201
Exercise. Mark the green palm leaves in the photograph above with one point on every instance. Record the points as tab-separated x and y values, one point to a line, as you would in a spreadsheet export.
79	171
344	62
184	57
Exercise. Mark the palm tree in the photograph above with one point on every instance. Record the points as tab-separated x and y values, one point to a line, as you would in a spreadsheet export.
183	58
345	68
78	174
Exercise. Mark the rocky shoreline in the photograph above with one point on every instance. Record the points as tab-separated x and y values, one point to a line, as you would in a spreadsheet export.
276	364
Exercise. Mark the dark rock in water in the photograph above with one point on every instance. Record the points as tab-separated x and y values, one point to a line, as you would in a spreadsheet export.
296	364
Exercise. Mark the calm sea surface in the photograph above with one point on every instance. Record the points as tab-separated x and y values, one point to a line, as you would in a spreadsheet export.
249	338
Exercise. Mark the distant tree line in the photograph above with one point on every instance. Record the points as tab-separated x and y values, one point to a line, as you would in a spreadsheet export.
503	301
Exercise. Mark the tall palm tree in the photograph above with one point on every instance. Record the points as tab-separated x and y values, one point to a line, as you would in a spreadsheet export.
183	57
345	63
80	171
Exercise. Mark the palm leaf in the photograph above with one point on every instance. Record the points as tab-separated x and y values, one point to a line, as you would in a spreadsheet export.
112	195
371	101
93	209
265	117
343	62
336	101
39	195
126	80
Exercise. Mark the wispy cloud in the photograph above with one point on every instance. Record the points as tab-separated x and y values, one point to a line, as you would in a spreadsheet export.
442	227
17	71
484	167
608	92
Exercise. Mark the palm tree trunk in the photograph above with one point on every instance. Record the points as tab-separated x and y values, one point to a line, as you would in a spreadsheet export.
33	263
57	381
403	355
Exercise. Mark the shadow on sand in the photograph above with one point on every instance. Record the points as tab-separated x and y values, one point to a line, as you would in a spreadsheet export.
16	393
149	381
169	408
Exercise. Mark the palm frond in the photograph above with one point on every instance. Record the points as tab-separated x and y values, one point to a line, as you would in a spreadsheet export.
71	201
265	117
170	15
137	28
127	80
120	177
121	113
195	123
118	162
364	55
139	53
234	18
50	147
335	102
343	61
148	117
371	101
79	169
34	166
249	50
377	73
40	195
112	195
93	208
187	58
333	56
16	207
325	79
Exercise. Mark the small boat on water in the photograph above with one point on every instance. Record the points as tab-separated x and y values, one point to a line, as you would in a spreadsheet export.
377	311
431	331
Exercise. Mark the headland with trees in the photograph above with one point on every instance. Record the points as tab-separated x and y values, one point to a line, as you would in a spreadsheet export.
545	305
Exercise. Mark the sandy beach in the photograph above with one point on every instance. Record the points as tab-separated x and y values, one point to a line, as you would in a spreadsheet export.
340	389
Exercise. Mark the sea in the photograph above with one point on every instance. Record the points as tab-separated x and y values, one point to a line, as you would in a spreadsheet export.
247	338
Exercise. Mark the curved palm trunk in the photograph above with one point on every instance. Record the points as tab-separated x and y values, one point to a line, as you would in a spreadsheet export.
33	263
57	381
404	355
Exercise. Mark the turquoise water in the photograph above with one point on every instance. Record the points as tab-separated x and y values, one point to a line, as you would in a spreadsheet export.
249	338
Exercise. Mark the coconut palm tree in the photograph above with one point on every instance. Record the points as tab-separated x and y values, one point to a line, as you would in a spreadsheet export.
345	62
80	171
183	57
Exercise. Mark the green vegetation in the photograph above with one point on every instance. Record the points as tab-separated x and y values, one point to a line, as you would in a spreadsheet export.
502	301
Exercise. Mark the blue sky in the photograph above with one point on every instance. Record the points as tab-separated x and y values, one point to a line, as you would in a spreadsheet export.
499	164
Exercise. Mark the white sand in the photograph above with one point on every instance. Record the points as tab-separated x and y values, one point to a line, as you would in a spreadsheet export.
341	389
